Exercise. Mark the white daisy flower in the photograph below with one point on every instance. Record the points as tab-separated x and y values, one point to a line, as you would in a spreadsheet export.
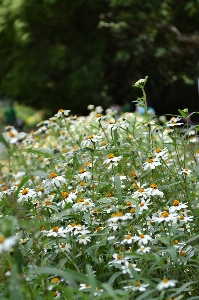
143	249
126	268
140	82
57	231
165	217
119	216
83	239
165	283
112	160
163	153
185	172
141	287
174	122
7	243
26	194
151	163
128	239
142	239
177	205
63	247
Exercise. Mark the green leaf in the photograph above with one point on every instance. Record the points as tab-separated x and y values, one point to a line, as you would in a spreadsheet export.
118	187
182	288
172	251
18	257
4	142
183	113
70	275
196	237
113	277
110	290
15	285
91	279
25	179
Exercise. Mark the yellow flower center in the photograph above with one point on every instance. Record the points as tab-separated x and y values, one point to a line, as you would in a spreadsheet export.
137	283
80	200
132	173
165	214
55	280
111	156
165	280
82	171
11	134
176	202
119	256
158	150
55	228
48	202
104	143
132	210
181	218
141	204
140	190
150	160
128	237
182	253
24	192
1	239
53	175
141	235
90	136
175	242
65	194
98	115
108	194
54	293
154	186
119	214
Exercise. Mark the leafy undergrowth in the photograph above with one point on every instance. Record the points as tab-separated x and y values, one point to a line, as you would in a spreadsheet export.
94	207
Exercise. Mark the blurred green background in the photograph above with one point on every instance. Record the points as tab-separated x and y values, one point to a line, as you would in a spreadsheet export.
67	54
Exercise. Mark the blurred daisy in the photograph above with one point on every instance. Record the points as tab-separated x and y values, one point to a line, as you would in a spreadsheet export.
165	283
57	231
119	216
138	286
163	153
174	122
7	243
185	172
126	269
143	249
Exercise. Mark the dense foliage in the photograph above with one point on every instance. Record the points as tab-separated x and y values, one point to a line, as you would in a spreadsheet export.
60	53
98	208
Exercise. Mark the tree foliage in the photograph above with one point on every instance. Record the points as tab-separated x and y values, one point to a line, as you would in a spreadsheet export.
61	53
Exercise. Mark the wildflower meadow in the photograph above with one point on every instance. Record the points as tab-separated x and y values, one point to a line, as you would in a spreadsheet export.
97	207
